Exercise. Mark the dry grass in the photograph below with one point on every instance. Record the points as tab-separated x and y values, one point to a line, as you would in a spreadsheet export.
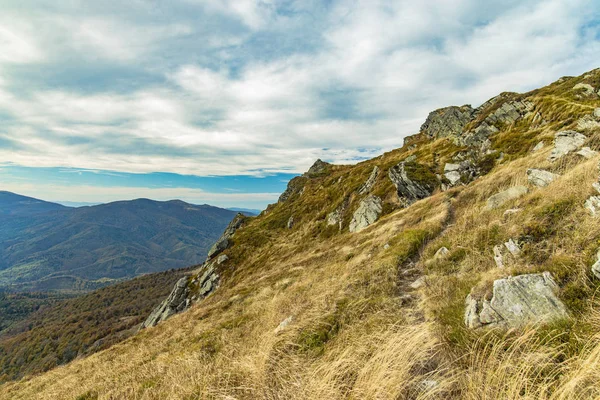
355	333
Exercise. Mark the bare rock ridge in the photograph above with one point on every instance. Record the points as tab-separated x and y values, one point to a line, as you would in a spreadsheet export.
447	121
413	181
188	290
367	213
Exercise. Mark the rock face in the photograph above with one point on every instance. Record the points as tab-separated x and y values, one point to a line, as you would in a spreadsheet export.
586	152
516	301
367	213
449	121
584	90
457	174
317	169
176	302
498	199
336	217
593	205
368	185
540	177
296	185
223	241
413	181
566	142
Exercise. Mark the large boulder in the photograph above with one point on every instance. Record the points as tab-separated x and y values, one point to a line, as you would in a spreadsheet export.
448	121
367	213
517	301
540	177
317	169
566	142
584	90
505	196
368	185
224	240
413	181
459	173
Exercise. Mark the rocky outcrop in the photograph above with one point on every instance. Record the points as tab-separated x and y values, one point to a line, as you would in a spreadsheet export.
512	193
177	301
459	173
583	90
516	301
566	142
540	177
413	181
224	240
592	204
318	168
587	153
367	213
368	185
447	122
294	186
290	223
336	217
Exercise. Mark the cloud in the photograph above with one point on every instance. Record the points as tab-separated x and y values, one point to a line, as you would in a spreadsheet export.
255	86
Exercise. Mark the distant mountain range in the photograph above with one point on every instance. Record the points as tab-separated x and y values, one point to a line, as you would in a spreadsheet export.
47	246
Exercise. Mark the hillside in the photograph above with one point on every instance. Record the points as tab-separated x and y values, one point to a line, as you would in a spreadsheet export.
14	204
460	266
60	331
80	249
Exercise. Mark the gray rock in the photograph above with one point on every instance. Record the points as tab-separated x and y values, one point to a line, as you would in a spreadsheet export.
584	89
386	246
441	253
593	205
513	248
418	283
538	146
317	169
449	121
540	177
367	213
290	223
597	113
587	123
452	173
368	185
284	324
175	303
512	193
586	152
409	190
566	142
596	266
517	301
499	256
222	258
336	217
511	211
223	242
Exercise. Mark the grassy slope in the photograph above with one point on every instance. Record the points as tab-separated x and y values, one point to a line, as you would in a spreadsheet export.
358	329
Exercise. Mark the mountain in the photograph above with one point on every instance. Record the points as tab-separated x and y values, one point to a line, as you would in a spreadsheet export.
44	246
15	204
463	265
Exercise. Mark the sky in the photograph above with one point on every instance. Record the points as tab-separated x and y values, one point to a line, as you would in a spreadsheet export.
223	101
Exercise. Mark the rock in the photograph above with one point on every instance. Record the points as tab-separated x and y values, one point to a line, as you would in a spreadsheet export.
336	217
586	152
295	186
368	185
441	253
596	266
413	181
176	302
418	283
411	158
510	112
290	223
511	211
386	246
540	177
498	256
317	169
584	90
538	146
367	213
516	301
512	193
566	142
449	121
452	173
513	248
593	205
222	258
223	241
597	113
284	324
588	123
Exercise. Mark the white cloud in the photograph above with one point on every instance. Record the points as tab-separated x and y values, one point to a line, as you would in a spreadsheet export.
364	79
